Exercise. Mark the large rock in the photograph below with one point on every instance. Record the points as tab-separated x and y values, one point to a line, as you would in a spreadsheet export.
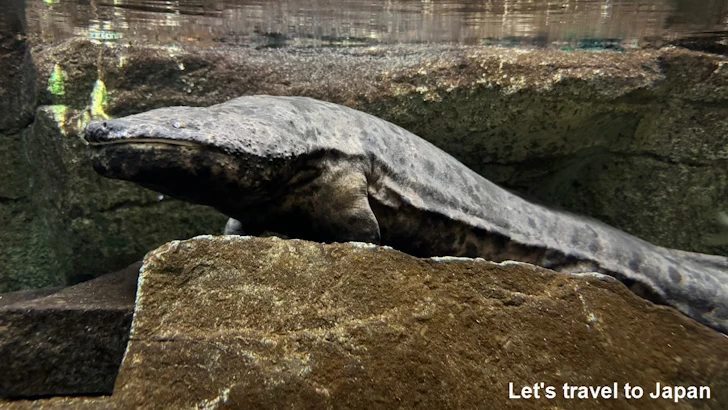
66	341
265	323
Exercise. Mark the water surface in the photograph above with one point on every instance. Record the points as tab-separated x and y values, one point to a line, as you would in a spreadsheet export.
273	23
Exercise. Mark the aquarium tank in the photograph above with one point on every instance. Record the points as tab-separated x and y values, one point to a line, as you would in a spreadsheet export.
236	204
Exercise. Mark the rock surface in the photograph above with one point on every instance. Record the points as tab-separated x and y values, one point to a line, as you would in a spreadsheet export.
277	324
232	322
22	244
66	341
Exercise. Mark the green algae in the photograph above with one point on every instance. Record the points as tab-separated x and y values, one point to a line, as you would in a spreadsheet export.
55	82
98	100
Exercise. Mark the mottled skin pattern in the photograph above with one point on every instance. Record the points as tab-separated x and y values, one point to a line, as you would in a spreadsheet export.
314	170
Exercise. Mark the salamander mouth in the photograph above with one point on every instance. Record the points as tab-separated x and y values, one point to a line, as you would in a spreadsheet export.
160	141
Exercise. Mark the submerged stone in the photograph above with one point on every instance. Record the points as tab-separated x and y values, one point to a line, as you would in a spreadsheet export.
66	341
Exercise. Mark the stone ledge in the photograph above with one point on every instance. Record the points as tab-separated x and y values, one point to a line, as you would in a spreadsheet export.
68	342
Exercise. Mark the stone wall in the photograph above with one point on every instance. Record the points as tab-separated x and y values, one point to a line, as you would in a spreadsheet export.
28	248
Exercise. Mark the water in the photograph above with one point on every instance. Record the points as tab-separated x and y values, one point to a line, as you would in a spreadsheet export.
565	23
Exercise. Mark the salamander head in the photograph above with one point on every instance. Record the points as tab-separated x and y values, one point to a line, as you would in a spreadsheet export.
219	164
